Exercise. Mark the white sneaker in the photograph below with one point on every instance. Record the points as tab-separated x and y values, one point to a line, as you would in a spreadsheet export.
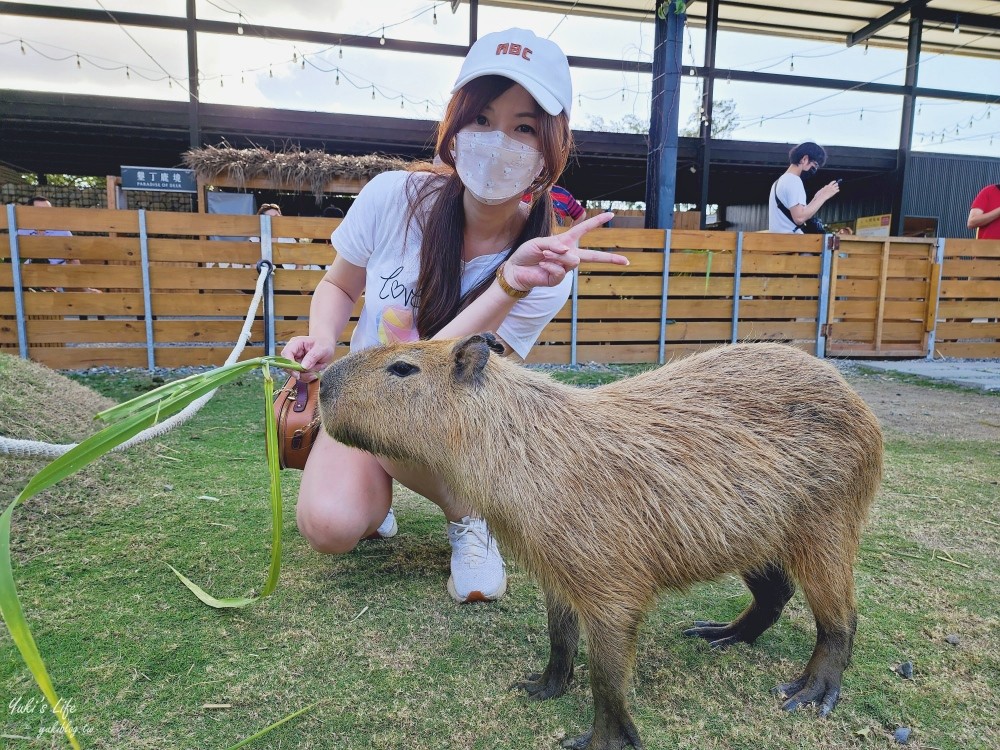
388	528
477	569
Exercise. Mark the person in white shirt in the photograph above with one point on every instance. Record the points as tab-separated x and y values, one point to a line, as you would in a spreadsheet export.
444	251
805	159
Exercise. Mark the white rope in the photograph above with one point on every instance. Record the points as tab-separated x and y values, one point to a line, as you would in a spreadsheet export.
35	449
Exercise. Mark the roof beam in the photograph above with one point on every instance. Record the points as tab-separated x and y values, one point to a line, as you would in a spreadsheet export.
972	20
873	27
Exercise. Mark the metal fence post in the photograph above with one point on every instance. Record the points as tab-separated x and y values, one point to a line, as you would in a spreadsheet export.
737	273
573	322
147	297
939	260
267	253
15	262
664	291
831	244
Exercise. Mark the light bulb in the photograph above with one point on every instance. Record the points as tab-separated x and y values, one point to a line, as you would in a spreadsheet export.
78	61
340	53
128	73
435	15
382	38
270	72
373	92
337	81
23	51
791	67
239	26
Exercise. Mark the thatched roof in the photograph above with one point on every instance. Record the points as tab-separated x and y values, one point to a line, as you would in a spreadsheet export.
312	169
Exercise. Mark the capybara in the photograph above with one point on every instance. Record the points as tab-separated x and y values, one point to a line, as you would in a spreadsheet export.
754	458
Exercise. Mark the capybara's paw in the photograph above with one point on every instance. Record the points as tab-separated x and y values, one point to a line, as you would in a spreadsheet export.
806	690
542	686
578	743
719	635
614	741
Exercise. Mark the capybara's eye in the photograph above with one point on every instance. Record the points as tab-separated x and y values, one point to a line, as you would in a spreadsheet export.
402	369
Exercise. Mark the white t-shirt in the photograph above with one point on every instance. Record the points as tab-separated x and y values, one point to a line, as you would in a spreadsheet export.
792	193
374	235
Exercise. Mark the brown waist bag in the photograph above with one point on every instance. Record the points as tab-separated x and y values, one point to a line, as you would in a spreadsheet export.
296	409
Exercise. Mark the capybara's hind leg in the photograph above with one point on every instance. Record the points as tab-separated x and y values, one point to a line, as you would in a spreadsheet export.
830	593
771	588
611	649
564	637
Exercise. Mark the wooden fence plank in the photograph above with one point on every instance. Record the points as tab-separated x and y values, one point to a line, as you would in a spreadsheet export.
782	243
968	309
185	224
957	248
76	248
624	238
967	350
45	275
78	219
971	289
971	269
953	330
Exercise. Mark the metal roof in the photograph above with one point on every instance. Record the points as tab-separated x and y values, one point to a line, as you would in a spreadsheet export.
977	21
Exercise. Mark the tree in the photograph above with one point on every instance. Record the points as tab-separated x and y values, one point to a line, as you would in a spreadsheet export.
724	122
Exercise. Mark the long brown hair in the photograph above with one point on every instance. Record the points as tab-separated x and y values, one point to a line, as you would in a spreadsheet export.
439	298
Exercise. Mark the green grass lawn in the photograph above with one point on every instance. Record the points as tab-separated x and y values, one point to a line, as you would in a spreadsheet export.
375	636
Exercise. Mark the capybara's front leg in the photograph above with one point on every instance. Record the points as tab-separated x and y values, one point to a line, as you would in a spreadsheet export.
564	638
612	656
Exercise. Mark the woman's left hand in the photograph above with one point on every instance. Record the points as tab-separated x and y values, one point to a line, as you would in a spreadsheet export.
545	261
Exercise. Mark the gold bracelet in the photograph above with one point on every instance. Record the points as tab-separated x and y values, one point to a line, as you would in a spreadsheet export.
511	291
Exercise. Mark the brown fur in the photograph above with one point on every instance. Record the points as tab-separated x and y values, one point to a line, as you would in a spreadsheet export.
755	458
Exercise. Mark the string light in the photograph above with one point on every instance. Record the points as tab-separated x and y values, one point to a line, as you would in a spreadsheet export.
623	94
220	82
435	15
336	81
170	82
303	61
382	38
295	56
78	62
401	101
239	26
23	50
128	73
270	72
373	92
243	77
809	119
340	53
956	29
791	67
862	115
866	47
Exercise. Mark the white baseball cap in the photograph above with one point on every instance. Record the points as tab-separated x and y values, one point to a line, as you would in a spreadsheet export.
535	63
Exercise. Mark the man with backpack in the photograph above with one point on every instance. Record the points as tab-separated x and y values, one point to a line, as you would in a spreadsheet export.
788	210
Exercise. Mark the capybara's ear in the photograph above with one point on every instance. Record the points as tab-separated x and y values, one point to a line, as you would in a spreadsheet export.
471	354
493	343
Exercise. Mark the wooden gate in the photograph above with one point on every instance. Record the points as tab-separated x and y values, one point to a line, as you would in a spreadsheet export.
883	297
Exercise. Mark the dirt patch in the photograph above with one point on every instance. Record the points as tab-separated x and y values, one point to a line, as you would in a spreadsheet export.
922	411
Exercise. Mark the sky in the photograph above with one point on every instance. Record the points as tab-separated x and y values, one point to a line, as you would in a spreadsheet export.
106	59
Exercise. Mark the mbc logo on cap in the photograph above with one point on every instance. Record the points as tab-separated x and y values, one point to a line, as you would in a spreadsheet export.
510	48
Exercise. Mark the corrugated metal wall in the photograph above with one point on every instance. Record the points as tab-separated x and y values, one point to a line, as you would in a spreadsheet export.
938	185
944	185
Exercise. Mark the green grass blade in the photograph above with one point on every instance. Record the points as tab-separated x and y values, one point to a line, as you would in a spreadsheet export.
211	601
274	471
275	725
13	617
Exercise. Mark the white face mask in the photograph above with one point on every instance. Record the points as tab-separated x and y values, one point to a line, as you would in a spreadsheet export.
494	167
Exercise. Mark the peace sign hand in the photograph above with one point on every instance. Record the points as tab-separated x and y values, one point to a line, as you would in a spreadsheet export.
545	261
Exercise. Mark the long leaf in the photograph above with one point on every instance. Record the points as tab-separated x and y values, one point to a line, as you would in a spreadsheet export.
211	601
131	418
271	447
13	617
275	725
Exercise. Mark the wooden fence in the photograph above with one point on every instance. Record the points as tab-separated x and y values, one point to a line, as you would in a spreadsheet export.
173	289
